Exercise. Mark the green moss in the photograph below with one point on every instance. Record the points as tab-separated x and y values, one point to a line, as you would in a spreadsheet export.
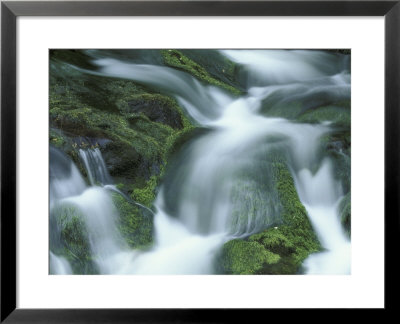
315	109
135	126
156	107
72	88
339	116
274	240
147	194
72	56
176	59
293	240
244	257
135	223
175	142
297	227
56	139
75	246
345	213
294	212
216	64
137	143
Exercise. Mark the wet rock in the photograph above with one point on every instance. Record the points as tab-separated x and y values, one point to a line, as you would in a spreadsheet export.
157	108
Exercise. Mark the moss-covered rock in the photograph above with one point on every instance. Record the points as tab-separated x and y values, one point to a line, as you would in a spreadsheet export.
336	144
157	108
126	165
217	65
134	128
135	223
345	213
70	238
245	257
254	199
178	60
289	243
339	116
272	106
308	110
72	56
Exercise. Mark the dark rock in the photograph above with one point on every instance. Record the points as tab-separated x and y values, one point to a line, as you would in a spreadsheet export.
157	109
123	161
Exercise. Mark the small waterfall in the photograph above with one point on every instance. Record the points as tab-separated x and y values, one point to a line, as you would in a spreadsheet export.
65	179
92	205
321	195
100	216
95	166
219	171
176	250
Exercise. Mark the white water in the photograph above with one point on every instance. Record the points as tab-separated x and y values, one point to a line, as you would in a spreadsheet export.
186	241
176	250
202	103
65	179
95	166
59	265
93	204
321	195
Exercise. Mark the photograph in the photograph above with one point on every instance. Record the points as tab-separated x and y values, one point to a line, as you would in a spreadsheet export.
199	161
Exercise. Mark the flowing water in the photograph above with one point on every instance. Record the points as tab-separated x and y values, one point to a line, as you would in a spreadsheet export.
201	206
95	166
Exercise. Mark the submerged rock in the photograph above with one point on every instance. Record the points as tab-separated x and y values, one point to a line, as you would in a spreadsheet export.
135	222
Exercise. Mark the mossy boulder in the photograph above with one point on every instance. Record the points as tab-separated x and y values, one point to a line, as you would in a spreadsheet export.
135	222
125	164
157	108
338	115
217	65
135	128
71	86
245	257
176	59
72	56
280	249
69	238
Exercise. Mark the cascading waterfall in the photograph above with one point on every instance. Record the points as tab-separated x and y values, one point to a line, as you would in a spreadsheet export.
321	195
198	205
95	166
93	205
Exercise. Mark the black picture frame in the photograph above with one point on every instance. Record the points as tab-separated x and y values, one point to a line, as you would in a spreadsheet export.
9	13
